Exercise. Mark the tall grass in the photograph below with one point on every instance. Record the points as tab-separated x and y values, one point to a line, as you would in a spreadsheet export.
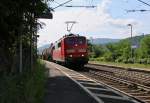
126	65
25	88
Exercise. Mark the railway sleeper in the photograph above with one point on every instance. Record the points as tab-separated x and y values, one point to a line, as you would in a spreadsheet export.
143	97
147	84
133	86
118	85
146	101
137	94
116	81
128	90
148	92
121	85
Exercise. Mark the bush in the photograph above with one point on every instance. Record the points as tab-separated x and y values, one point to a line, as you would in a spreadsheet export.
92	59
25	88
143	61
131	60
148	60
125	61
100	59
108	56
120	59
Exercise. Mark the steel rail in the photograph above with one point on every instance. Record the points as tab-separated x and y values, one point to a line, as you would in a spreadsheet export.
146	88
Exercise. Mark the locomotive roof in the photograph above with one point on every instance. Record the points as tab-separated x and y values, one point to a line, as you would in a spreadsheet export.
70	35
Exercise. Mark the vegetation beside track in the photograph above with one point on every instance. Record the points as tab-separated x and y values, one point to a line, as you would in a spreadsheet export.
120	53
21	77
25	88
129	65
18	29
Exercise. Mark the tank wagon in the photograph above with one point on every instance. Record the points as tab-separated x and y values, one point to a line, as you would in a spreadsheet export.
47	53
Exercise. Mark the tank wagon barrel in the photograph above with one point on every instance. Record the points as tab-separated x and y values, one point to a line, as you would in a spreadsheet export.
47	53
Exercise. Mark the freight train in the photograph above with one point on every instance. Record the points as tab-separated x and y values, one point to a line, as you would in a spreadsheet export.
70	49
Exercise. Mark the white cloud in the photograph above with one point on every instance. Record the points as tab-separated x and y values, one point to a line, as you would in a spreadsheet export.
90	22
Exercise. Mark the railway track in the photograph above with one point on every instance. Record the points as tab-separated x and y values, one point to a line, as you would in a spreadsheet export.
101	91
141	77
133	83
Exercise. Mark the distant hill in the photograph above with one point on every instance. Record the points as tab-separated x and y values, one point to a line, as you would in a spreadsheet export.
104	40
95	41
40	49
135	40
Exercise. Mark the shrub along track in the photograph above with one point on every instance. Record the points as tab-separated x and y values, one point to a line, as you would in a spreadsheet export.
132	82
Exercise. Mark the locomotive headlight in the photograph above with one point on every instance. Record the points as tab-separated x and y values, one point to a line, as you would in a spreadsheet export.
70	55
82	55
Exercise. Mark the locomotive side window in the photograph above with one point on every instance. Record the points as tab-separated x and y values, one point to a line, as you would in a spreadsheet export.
59	44
53	48
56	46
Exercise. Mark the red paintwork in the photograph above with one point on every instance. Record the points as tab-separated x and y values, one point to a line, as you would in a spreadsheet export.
60	54
76	45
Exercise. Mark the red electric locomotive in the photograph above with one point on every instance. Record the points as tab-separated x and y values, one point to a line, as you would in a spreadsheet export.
71	49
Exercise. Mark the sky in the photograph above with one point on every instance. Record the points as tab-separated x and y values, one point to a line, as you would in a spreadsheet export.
108	20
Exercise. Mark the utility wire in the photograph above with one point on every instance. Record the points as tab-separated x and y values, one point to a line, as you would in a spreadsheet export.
80	6
88	5
62	4
57	2
142	10
144	2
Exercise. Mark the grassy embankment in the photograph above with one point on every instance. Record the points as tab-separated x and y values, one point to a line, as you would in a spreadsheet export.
135	65
25	88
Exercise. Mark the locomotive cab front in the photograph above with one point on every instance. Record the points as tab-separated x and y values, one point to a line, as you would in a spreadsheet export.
76	50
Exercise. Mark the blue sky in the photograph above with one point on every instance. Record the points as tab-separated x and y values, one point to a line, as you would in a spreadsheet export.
108	20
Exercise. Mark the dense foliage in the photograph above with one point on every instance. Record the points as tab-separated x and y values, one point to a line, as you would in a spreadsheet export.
18	22
25	88
18	28
121	51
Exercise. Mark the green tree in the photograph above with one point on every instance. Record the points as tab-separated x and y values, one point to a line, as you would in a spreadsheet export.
111	53
124	50
145	47
98	50
18	19
143	53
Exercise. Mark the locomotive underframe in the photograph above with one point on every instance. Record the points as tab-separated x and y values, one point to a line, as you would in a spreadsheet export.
76	61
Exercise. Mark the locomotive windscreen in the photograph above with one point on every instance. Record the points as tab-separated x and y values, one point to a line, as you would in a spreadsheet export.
75	40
